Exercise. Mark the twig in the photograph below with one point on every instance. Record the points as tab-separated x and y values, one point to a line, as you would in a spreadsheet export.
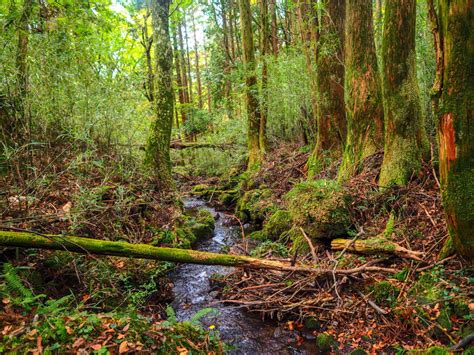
311	246
372	304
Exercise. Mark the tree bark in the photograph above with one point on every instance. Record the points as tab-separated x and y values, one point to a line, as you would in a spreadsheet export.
179	81
20	127
363	95
405	137
251	89
330	85
158	146
274	25
456	121
378	245
144	251
198	69
188	60
264	49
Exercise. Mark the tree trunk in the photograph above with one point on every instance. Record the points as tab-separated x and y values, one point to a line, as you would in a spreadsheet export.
158	146
264	49
307	27
179	81
405	137
208	84
18	130
198	70
364	107
456	122
330	85
144	251
184	71
251	89
274	25
188	61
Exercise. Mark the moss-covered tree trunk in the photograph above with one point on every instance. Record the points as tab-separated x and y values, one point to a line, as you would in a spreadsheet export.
158	146
456	121
405	137
196	62
331	117
251	89
264	49
363	93
179	81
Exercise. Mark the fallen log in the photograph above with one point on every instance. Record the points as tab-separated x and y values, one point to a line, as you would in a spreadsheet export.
183	145
144	251
375	246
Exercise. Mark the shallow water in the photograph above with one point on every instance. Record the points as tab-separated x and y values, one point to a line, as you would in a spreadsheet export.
192	292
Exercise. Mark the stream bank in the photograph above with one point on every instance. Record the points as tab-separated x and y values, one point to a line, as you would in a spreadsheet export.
193	291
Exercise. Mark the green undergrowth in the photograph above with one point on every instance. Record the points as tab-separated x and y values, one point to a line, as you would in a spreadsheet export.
71	323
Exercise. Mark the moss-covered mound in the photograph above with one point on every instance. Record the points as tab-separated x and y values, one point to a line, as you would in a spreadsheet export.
255	206
278	223
319	207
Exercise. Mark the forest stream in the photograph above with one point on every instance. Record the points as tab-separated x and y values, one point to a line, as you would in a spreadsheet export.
193	292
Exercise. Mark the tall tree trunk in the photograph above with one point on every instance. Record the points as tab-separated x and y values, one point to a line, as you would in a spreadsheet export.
208	84
330	85
264	46
188	61
307	27
198	69
364	107
405	137
456	121
179	80
20	127
275	45
147	43
232	28
184	71
158	147
252	105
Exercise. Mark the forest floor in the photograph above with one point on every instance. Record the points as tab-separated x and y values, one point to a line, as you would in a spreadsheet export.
95	304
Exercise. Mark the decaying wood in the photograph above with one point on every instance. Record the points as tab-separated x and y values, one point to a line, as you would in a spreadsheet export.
185	145
377	245
144	251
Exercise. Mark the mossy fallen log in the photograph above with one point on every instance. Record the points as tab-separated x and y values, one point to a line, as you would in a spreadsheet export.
377	245
144	251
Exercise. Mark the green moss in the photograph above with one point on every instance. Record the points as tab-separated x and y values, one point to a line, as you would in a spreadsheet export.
319	207
312	323
278	223
434	350
258	235
384	293
255	205
447	249
228	198
389	227
324	342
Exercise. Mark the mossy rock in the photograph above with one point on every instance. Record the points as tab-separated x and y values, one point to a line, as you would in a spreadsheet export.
255	206
202	225
298	241
278	223
325	342
320	208
229	198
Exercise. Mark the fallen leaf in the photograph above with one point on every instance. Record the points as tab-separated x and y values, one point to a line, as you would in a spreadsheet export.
126	327
69	330
78	342
96	347
123	347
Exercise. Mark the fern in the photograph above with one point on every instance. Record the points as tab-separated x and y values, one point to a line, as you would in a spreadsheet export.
202	313
172	320
13	283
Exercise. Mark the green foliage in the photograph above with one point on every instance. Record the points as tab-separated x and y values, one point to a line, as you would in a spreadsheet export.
276	249
278	223
385	293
